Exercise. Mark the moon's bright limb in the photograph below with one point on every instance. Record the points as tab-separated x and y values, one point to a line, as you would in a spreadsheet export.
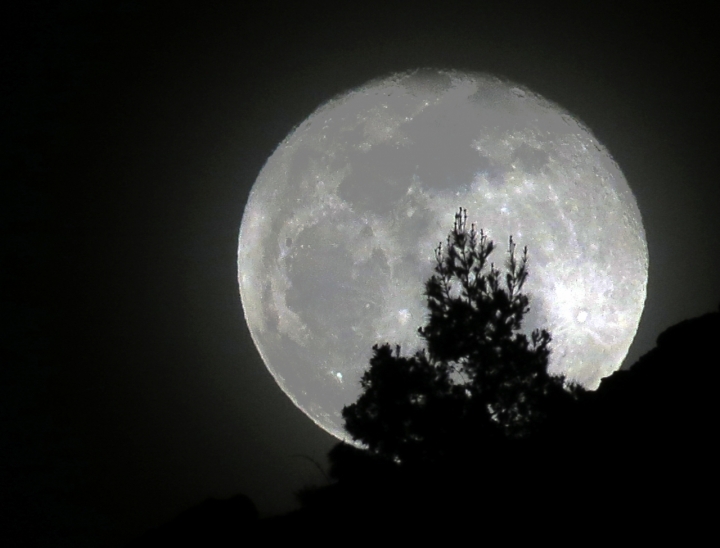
339	232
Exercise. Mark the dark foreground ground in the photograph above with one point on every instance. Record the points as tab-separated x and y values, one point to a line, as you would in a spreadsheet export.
636	463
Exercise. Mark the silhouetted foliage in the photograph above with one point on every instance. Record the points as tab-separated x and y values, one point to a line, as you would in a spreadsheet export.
480	378
634	459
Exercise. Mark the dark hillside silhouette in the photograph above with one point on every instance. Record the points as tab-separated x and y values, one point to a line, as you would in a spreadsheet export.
634	460
662	411
668	394
214	522
472	439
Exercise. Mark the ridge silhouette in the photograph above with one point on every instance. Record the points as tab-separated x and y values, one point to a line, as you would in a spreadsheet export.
213	522
634	459
615	469
472	439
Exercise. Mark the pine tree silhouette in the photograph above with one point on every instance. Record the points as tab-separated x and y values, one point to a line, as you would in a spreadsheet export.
479	380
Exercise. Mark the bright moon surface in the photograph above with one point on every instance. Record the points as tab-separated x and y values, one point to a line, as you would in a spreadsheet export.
339	232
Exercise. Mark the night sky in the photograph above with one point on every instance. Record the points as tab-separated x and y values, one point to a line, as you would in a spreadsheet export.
132	133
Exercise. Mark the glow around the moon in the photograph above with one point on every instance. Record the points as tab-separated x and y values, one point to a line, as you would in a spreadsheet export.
340	228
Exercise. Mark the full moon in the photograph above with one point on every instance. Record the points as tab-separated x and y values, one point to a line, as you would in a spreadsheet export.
339	232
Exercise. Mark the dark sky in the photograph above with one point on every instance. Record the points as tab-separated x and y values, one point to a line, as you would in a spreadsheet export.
132	134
